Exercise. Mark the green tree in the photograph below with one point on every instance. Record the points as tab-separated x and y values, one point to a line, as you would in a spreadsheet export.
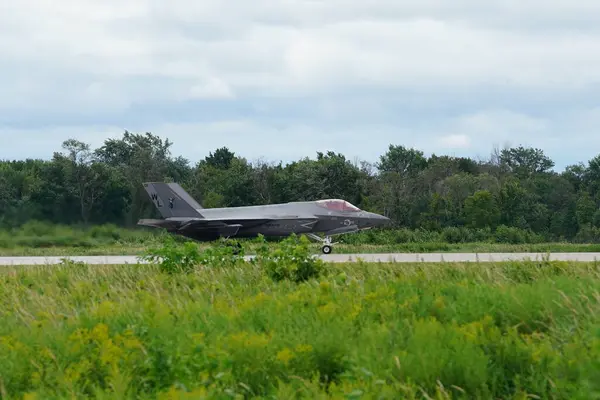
402	160
141	158
525	162
585	209
516	187
516	204
221	158
481	210
84	179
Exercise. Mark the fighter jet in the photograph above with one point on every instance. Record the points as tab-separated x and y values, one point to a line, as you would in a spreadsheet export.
185	216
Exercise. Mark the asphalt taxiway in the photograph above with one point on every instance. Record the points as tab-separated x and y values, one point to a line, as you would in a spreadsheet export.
370	257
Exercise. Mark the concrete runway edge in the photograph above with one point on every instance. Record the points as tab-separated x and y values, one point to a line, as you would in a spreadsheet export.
371	257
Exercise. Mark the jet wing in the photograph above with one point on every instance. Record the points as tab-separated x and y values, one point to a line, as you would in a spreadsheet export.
159	223
222	226
212	223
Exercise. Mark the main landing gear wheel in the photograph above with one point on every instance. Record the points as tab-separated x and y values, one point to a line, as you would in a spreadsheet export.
327	246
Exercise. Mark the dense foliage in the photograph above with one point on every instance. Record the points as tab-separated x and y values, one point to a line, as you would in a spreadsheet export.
510	330
515	189
46	239
289	259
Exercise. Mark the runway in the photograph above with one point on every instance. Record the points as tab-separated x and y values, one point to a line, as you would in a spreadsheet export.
337	258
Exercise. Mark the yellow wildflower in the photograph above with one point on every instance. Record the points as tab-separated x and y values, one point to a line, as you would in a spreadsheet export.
285	355
304	348
356	309
198	337
105	309
328	310
325	286
439	303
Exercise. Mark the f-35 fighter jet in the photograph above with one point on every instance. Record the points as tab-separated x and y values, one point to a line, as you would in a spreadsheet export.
184	216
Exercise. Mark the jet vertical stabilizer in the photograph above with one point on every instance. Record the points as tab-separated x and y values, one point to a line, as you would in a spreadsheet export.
172	201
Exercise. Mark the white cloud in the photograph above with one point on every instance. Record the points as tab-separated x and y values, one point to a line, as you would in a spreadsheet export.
455	141
247	138
497	124
355	62
213	88
314	43
280	141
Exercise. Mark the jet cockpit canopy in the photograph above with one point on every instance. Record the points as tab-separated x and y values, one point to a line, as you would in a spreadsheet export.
337	205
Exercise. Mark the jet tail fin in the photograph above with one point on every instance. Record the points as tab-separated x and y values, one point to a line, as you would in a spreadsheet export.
172	201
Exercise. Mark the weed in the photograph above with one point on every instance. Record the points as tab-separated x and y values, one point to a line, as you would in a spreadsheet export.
291	260
499	330
37	238
173	257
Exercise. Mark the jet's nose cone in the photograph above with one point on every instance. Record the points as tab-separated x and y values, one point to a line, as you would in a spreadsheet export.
378	220
383	220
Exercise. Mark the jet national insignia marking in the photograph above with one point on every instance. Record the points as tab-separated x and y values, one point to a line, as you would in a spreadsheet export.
185	216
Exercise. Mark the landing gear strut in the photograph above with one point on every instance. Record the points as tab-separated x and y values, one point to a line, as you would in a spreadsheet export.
327	246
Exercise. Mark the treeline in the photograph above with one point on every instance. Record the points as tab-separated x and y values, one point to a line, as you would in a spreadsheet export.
515	188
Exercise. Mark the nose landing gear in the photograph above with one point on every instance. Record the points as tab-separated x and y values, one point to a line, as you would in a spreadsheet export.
327	246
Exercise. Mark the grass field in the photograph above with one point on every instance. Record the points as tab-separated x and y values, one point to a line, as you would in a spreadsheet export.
341	248
506	330
40	239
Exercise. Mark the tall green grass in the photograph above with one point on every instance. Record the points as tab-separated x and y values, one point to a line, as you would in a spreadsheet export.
37	238
506	330
36	234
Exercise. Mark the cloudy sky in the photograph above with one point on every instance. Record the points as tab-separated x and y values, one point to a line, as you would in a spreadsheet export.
283	79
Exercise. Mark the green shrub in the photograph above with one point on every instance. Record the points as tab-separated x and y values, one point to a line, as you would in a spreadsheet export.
227	253
291	260
512	235
105	232
588	234
173	257
454	234
509	234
